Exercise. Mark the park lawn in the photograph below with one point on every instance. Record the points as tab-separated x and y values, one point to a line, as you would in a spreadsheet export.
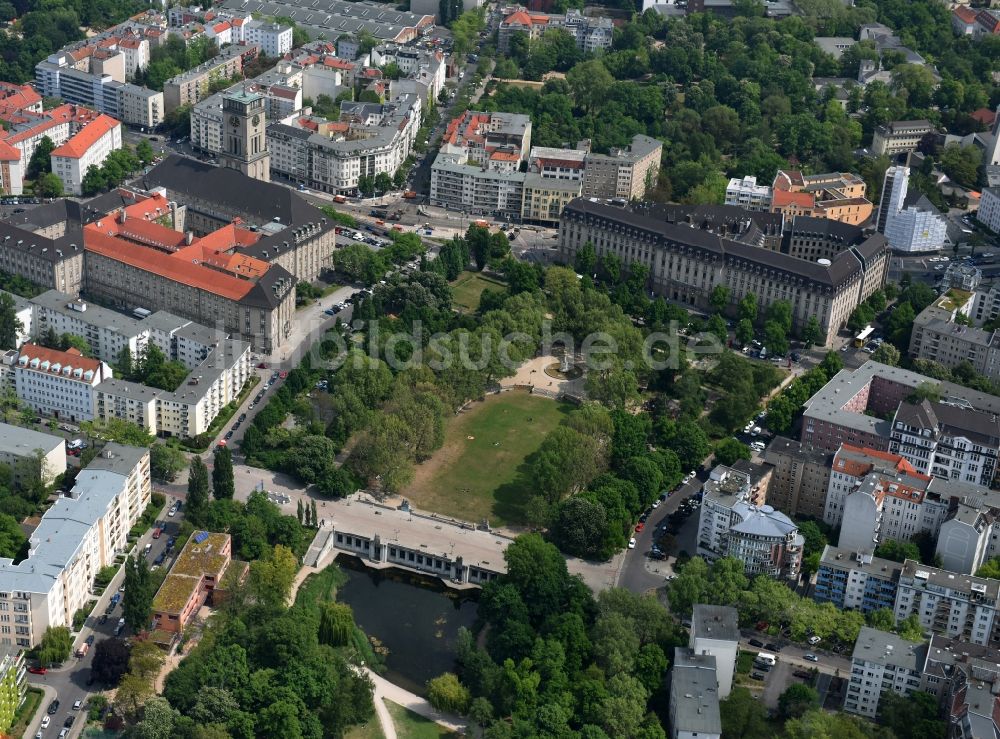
410	725
371	730
467	288
483	477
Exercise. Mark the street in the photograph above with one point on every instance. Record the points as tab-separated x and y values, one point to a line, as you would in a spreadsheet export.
72	681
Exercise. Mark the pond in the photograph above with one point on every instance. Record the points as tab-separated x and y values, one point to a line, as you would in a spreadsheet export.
415	618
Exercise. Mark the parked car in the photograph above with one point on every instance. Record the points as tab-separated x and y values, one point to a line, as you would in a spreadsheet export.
810	657
77	705
53	707
772	647
37	670
814	640
631	543
639	527
757	643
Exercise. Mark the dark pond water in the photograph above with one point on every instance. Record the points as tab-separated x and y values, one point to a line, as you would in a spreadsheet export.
415	618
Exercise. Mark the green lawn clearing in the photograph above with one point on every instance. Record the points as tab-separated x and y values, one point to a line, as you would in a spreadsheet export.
478	473
320	587
371	730
467	288
410	725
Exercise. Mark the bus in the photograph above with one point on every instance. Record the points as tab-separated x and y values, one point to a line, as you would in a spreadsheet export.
860	339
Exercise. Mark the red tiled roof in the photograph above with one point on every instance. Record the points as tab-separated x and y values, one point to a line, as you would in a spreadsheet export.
786	178
522	18
71	357
130	43
781	198
89	135
985	116
8	153
966	15
336	63
222	26
165	265
505	156
988	21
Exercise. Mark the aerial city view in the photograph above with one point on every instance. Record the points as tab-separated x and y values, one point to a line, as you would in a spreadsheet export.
608	370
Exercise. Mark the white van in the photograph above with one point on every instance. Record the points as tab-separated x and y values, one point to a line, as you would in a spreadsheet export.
766	658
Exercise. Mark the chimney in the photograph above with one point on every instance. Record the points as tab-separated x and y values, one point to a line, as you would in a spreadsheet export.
188	238
122	216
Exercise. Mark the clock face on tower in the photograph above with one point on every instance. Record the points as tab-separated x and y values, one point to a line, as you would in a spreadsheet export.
234	122
256	120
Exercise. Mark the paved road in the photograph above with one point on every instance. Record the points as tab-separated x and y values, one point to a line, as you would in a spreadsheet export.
71	682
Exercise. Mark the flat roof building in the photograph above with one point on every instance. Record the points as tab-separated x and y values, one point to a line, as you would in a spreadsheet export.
195	575
694	696
21	447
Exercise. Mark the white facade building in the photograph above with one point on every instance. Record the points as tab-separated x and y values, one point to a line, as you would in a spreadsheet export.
57	382
882	661
950	604
272	39
989	209
715	630
910	225
108	332
89	147
78	535
746	193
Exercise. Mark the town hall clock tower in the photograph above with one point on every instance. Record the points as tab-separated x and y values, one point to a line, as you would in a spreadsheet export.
245	143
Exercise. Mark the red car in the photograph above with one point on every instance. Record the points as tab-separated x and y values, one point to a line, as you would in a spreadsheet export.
282	375
639	527
37	670
261	366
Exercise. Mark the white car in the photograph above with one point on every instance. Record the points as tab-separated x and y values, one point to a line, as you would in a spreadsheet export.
77	705
814	640
46	720
656	504
755	431
631	543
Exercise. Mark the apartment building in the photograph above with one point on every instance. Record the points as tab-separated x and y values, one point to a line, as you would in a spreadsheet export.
590	33
13	684
106	331
417	65
559	164
140	106
715	630
32	454
623	173
733	523
970	536
957	606
694	696
950	440
966	680
11	172
129	103
746	193
543	198
874	496
369	139
937	337
882	661
856	580
288	231
193	579
193	85
132	260
839	196
989	209
89	147
59	383
800	479
78	535
331	19
899	137
189	410
686	264
852	406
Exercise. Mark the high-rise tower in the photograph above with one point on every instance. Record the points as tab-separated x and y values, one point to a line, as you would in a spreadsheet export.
893	195
245	145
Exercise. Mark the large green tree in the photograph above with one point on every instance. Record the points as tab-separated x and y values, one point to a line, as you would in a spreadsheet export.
137	603
223	485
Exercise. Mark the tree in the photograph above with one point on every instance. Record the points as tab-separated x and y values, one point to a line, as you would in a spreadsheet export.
55	646
719	298
744	716
137	603
748	307
165	462
897	551
223	485
94	181
12	538
446	693
590	82
197	491
796	700
144	151
882	619
586	260
744	331
811	332
580	526
383	182
271	578
10	325
336	624
111	660
728	451
913	716
886	353
961	164
48	185
41	158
